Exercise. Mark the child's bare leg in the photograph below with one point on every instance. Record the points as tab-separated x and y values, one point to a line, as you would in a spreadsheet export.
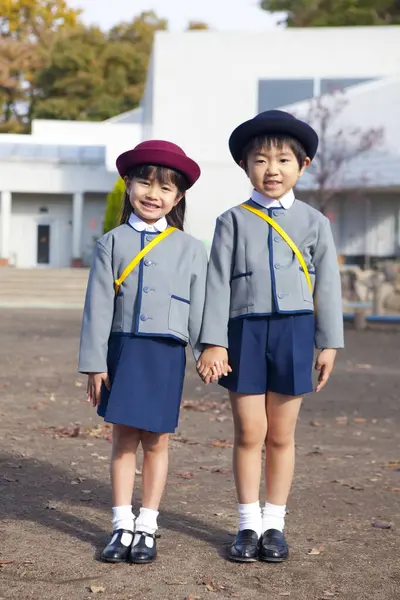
125	441
155	468
282	414
250	422
154	477
122	469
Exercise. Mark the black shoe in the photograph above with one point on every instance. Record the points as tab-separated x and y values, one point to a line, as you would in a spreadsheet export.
115	551
245	547
140	552
273	546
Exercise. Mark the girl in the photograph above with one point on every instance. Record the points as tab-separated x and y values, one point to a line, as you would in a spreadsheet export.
270	259
144	302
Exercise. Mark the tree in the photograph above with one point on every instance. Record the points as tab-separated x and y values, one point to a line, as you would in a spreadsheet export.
335	13
338	147
94	76
114	206
27	32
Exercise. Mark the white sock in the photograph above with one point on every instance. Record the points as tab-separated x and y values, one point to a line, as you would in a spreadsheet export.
123	518
146	522
250	517
273	517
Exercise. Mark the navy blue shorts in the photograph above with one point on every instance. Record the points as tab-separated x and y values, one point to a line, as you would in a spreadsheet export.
147	377
272	353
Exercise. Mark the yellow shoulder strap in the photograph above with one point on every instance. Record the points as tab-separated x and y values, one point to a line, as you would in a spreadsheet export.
285	236
140	255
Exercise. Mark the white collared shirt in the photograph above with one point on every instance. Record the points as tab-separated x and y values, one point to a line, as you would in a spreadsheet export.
140	225
285	202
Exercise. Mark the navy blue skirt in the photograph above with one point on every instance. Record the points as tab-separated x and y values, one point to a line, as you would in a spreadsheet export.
273	353
146	377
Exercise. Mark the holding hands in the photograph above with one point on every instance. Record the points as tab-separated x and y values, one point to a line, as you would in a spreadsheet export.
213	364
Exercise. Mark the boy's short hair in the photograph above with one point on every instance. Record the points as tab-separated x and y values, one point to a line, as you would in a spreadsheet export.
277	141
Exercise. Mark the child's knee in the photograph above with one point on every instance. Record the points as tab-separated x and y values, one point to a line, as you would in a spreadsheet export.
280	440
249	437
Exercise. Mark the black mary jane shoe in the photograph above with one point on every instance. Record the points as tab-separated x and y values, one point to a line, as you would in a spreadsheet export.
245	547
273	546
140	553
115	551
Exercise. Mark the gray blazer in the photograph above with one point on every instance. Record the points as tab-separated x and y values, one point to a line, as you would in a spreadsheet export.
252	271
162	297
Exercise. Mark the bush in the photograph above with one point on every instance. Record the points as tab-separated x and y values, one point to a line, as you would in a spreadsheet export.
114	206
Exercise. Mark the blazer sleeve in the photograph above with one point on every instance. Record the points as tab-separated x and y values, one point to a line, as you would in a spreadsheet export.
197	298
327	292
98	313
218	289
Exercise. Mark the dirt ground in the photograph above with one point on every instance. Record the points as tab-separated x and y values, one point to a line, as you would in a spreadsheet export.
344	511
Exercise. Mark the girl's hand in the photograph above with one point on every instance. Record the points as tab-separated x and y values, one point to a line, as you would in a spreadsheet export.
324	364
94	386
213	364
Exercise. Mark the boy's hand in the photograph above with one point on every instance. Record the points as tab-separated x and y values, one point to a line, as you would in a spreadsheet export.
324	364
213	364
94	386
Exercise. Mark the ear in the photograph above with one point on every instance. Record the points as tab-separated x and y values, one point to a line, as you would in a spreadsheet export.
178	199
127	182
306	163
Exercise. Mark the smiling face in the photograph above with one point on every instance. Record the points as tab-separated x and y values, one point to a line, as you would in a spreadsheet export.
274	165
153	193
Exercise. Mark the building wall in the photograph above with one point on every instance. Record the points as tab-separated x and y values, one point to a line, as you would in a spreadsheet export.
27	214
220	89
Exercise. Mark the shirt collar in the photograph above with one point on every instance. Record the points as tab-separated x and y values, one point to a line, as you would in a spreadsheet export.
285	202
140	225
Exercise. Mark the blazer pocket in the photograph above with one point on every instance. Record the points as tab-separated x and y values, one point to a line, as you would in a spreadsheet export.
178	318
307	294
118	320
241	291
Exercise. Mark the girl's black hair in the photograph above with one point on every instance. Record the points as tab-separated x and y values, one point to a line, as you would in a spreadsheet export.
163	175
275	141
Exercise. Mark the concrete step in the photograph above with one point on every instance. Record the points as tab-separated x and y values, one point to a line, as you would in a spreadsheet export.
43	288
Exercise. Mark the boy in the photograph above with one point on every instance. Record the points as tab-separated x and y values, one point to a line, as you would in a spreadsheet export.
259	323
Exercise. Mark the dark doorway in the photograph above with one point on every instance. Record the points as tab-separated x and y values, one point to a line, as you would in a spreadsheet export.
43	245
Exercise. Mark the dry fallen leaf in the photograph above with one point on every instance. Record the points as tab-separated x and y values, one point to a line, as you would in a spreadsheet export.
6	562
359	420
97	589
315	551
316	424
221	444
363	366
51	505
187	475
341	420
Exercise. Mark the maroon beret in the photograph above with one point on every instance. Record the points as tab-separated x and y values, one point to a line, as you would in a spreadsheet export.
158	152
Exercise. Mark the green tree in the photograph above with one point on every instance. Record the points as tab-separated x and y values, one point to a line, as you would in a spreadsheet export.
335	13
93	75
114	206
27	32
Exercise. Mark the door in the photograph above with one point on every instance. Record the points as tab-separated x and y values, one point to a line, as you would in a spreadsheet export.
43	244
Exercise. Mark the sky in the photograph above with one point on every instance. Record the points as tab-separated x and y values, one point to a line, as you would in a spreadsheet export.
221	15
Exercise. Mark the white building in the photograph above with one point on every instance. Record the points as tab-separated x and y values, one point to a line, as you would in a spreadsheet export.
53	183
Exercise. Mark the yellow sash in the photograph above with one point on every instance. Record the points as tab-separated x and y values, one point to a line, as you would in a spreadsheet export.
285	236
139	256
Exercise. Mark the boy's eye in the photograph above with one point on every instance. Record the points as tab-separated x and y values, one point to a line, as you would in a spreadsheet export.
165	189
260	161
